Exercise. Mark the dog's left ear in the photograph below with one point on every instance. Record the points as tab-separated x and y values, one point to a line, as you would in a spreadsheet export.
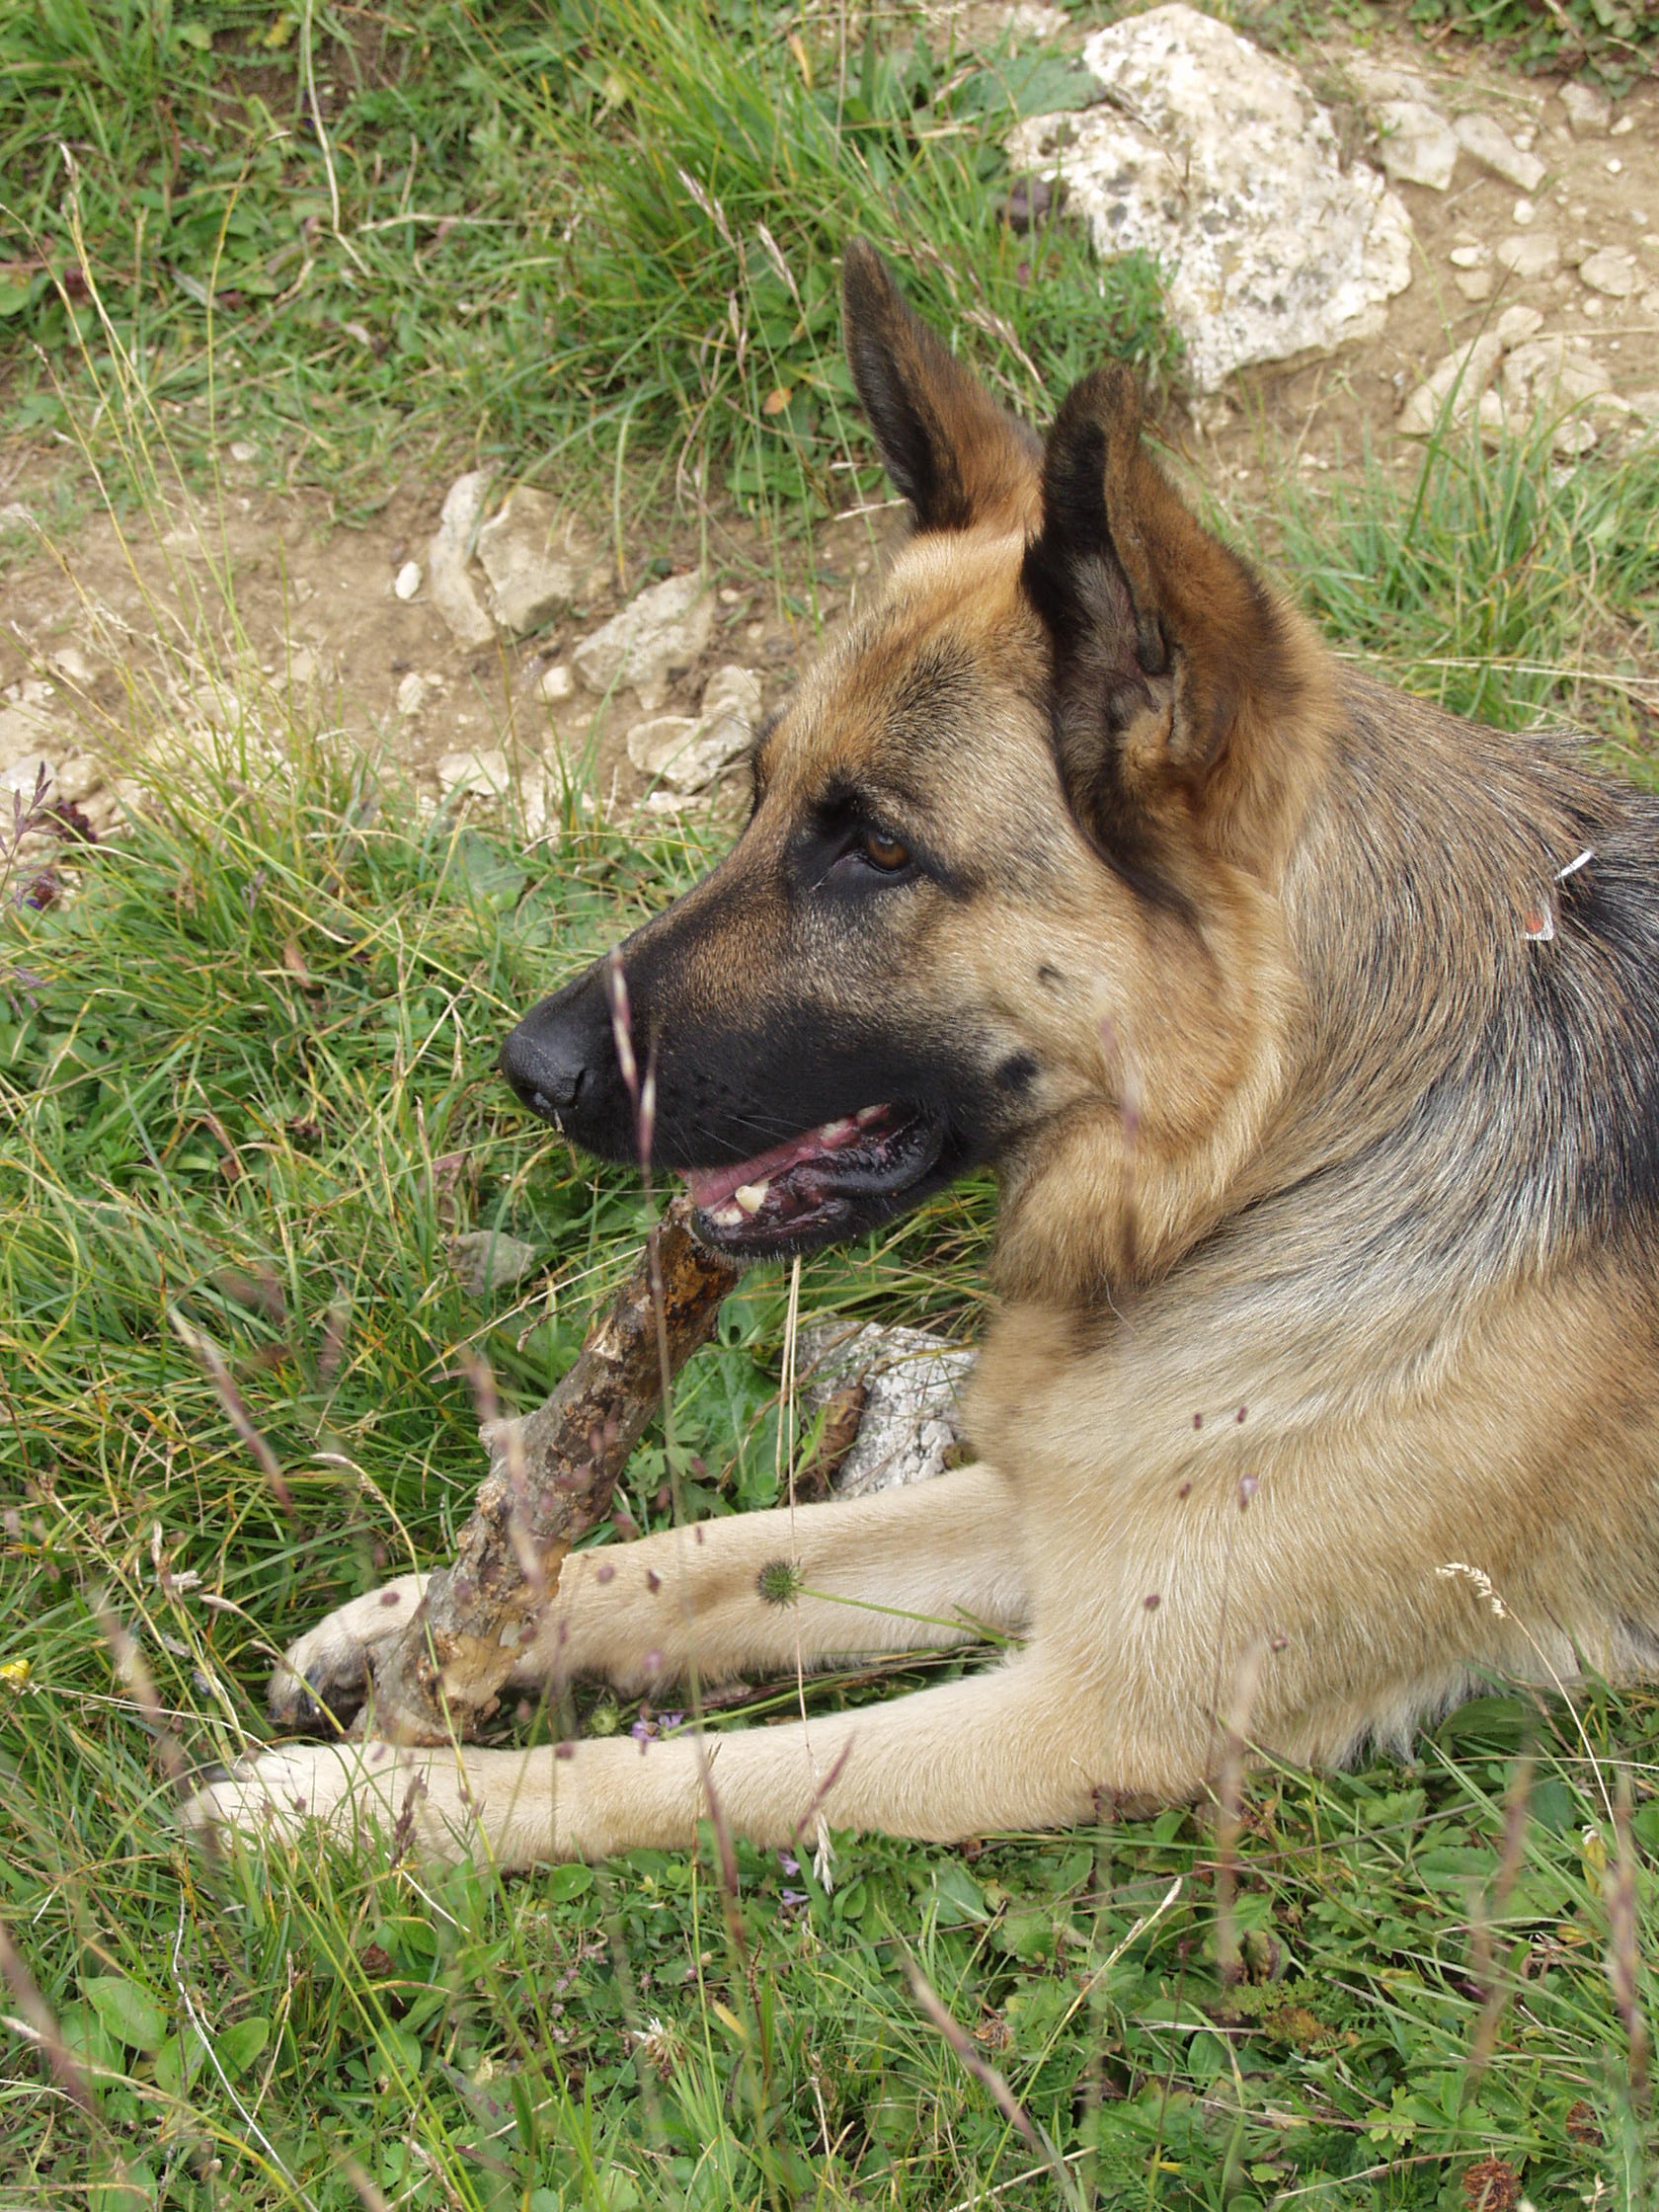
947	446
1165	644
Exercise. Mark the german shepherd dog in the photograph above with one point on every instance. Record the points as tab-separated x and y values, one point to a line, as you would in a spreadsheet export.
1313	1037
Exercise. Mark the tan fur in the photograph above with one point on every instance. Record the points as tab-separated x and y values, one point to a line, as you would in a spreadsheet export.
1314	1281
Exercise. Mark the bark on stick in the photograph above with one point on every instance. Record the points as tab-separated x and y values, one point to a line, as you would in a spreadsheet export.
552	1473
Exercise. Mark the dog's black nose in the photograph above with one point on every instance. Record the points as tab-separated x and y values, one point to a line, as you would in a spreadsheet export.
547	1058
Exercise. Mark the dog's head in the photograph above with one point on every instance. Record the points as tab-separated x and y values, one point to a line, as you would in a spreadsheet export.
1001	895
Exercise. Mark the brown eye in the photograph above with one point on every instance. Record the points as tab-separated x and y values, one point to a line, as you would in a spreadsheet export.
884	852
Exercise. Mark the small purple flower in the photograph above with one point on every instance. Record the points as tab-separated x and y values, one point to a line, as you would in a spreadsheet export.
789	1865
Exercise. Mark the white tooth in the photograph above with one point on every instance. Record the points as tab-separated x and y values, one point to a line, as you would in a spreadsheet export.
868	1114
833	1133
750	1196
727	1217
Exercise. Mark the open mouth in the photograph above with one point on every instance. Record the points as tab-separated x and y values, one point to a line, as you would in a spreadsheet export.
828	1183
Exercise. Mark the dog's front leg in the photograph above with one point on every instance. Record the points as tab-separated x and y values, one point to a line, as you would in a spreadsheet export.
1021	1746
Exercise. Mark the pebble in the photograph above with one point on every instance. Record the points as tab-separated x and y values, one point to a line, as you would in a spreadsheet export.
1487	141
1622	128
1589	111
484	772
408	579
1474	283
555	683
411	693
1531	255
1615	168
1469	256
1522	212
1517	324
1416	143
1611	271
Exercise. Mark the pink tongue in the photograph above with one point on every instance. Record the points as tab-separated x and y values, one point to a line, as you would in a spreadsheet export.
713	1186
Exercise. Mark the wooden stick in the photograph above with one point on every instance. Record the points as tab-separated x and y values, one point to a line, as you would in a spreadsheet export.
552	1473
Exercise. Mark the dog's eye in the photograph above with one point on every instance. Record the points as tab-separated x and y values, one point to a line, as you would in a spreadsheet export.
889	854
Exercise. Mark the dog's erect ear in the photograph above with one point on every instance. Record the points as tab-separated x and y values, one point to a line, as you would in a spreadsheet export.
1164	641
948	447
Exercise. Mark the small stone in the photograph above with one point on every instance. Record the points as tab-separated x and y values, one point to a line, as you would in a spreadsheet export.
909	1421
1645	406
1453	389
1469	256
1493	417
1474	283
1487	141
1611	271
1622	128
535	558
666	626
78	779
1593	307
1589	111
1555	376
242	450
485	775
1615	168
1522	212
1530	256
407	581
1516	325
485	1260
24	775
1577	253
411	693
555	683
447	557
1417	145
73	667
660	746
732	691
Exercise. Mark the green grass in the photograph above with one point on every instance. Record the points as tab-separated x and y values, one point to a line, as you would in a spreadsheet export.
1618	39
347	236
1495	581
248	1088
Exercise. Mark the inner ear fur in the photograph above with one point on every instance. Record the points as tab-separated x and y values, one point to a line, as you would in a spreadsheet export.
1168	650
947	446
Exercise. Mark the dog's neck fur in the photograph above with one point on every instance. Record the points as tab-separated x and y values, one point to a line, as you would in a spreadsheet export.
1545	1121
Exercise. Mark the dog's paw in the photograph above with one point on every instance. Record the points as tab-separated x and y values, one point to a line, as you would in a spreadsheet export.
328	1669
360	1792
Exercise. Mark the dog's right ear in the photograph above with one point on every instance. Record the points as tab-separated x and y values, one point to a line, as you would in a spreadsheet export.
947	446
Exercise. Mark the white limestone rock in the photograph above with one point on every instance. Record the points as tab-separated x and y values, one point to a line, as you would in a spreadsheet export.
1612	272
536	557
1416	145
1487	141
1589	111
1451	392
1530	255
1561	380
666	626
911	1421
481	774
448	562
1215	157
